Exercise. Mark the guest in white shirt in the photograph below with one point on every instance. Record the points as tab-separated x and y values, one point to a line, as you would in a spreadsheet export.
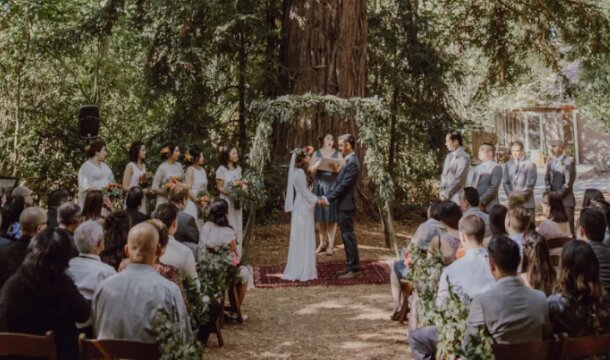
468	276
125	305
176	254
471	274
87	270
471	206
517	223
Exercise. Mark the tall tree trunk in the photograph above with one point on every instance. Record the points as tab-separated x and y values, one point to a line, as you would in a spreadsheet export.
323	51
241	89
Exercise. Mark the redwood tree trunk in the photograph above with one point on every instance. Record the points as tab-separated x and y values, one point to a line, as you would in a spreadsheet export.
323	51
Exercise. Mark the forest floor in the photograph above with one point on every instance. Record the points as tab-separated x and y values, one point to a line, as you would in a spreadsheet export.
318	322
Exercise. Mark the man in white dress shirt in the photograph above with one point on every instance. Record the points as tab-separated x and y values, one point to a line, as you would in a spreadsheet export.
176	254
125	305
469	276
455	168
87	270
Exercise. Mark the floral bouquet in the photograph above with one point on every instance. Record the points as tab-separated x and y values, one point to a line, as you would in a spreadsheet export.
114	193
238	191
203	199
145	180
249	191
169	184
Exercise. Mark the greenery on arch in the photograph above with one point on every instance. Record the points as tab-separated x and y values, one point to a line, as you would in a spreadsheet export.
370	114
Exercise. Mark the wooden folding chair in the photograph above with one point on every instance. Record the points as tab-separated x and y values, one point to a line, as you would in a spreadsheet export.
534	350
405	291
555	249
578	347
233	303
116	349
28	345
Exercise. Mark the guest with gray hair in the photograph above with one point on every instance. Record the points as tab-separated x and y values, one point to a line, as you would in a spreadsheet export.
68	218
87	269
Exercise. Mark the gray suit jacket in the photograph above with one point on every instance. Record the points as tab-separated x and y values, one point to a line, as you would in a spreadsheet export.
487	178
561	179
603	258
521	180
511	312
455	174
187	228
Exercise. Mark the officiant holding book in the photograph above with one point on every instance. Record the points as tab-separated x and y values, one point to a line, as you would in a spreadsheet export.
324	178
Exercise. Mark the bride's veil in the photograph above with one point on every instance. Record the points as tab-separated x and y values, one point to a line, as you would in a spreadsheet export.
290	187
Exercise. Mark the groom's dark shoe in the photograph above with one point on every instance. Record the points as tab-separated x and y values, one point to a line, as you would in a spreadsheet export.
351	275
342	272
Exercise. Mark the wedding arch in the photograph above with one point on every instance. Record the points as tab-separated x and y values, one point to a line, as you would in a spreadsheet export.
371	116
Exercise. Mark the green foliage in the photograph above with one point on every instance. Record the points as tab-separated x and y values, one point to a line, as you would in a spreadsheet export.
216	271
425	273
198	304
452	315
478	347
172	345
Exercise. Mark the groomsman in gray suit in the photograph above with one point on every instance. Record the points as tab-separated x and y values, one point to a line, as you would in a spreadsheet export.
487	177
455	170
520	178
560	177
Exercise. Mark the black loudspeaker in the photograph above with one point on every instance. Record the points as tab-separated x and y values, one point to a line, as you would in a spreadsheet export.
89	121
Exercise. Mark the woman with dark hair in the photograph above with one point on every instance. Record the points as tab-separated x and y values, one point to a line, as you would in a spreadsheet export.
42	297
537	271
449	213
229	174
196	180
116	228
580	307
556	223
595	198
170	168
135	169
94	173
217	232
93	204
325	216
497	219
54	201
301	263
13	208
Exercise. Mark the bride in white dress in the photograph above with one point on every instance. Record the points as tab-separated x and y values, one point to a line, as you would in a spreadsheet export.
301	263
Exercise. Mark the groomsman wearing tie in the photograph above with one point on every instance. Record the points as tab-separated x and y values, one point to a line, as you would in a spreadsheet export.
487	178
559	178
520	178
455	169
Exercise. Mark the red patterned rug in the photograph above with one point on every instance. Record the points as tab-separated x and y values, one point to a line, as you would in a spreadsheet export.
373	272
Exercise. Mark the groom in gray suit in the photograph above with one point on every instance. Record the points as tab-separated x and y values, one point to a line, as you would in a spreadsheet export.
455	169
559	178
520	178
487	177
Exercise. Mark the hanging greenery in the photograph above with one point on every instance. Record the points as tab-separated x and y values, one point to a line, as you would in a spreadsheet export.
425	273
216	270
198	304
371	116
451	317
171	344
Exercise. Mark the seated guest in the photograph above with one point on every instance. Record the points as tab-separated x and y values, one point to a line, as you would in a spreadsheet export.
537	271
470	206
32	221
55	199
556	224
468	276
517	223
125	305
595	198
510	312
169	272
41	297
592	227
177	254
580	307
134	200
116	228
187	232
68	218
423	235
3	241
87	270
497	220
217	232
449	242
12	211
93	205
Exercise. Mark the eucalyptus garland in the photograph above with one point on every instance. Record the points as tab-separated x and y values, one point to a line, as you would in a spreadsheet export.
172	344
425	273
451	316
370	115
216	270
198	304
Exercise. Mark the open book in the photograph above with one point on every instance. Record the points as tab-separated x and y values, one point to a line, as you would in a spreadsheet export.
325	164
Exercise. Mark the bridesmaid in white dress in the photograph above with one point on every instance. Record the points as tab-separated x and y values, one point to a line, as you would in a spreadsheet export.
230	173
301	264
135	169
197	181
170	167
94	173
